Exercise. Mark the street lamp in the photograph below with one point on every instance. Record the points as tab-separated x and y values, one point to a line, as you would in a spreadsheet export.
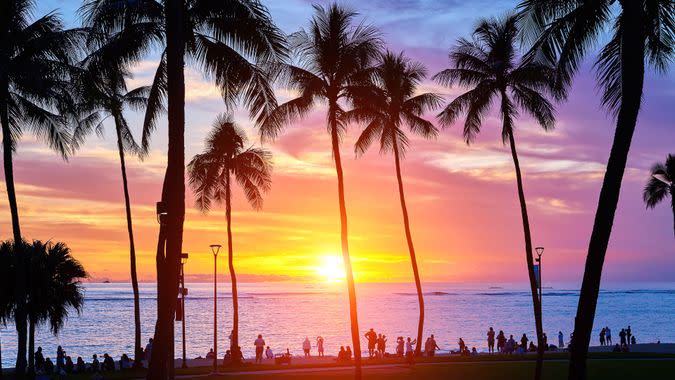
215	248
183	292
540	251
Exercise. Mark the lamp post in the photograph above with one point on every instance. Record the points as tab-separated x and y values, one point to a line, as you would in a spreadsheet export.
215	248
540	251
183	293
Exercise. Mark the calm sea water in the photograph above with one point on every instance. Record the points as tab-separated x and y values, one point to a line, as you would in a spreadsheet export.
286	313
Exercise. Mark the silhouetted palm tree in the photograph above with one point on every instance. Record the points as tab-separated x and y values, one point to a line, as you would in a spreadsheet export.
564	32
488	64
34	68
660	185
391	106
103	95
226	40
333	56
54	287
210	175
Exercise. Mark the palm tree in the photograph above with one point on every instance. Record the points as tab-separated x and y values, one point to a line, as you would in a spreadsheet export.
333	57
210	174
104	94
54	287
660	185
226	39
564	32
488	65
7	281
391	105
34	67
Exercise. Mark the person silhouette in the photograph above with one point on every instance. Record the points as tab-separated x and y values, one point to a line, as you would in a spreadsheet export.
491	340
372	342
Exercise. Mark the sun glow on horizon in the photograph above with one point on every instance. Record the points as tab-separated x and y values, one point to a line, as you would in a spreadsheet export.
331	268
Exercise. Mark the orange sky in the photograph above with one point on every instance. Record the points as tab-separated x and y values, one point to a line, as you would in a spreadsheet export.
462	200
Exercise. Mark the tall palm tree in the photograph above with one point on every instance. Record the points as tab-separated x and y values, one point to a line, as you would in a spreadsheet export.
661	184
333	56
7	281
103	95
393	104
34	67
489	66
226	40
54	287
564	32
210	174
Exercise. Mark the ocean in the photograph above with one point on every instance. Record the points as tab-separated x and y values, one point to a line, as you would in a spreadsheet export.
286	313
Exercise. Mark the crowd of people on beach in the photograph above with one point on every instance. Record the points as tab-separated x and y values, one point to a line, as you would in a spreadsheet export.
497	342
44	367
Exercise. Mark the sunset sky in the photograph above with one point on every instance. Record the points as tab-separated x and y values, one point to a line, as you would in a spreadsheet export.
462	199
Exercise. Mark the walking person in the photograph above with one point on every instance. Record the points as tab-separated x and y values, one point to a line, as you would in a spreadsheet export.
608	336
372	342
491	340
501	342
259	349
409	351
432	346
319	345
306	347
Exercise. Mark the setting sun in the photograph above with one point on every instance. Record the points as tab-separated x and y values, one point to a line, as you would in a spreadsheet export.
331	268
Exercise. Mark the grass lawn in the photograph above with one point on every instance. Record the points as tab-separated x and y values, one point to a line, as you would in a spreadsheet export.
604	366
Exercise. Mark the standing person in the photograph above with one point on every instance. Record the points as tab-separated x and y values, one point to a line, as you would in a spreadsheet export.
633	340
491	340
628	334
409	351
306	347
381	345
259	348
60	358
348	353
319	345
431	350
400	343
523	342
148	352
461	345
608	335
622	337
372	342
602	337
544	340
561	340
501	341
39	360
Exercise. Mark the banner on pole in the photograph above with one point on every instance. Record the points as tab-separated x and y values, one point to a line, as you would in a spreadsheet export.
537	275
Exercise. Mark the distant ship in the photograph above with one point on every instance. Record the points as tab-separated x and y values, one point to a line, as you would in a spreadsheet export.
495	287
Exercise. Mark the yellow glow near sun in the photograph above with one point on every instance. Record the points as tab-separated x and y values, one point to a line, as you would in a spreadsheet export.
331	268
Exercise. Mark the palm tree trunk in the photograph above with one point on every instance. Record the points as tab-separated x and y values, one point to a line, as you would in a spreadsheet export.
411	249
20	288
530	262
353	316
234	344
632	80
672	204
173	191
132	249
31	347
